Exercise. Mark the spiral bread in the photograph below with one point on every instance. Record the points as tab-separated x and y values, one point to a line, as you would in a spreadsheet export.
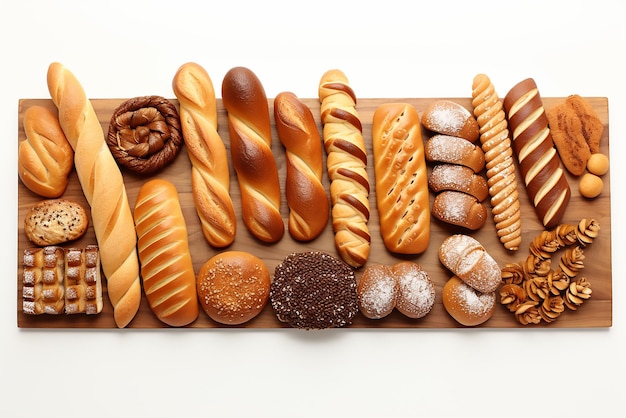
45	158
401	178
499	163
539	162
245	101
210	176
309	207
103	187
347	167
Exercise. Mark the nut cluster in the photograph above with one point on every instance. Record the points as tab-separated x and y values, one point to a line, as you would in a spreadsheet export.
533	291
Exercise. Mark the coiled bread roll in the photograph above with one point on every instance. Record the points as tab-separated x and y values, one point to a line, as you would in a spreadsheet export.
103	186
210	176
309	207
499	163
346	164
401	178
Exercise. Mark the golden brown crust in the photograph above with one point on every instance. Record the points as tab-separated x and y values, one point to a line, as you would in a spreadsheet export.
459	178
55	221
591	125
401	178
465	304
45	158
450	118
346	164
377	290
103	187
566	130
210	176
233	287
455	150
251	153
307	199
461	209
169	281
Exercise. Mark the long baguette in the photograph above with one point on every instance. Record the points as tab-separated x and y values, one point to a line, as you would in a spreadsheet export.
103	186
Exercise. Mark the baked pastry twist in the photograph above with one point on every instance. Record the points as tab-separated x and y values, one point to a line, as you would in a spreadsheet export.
103	186
499	164
346	164
210	176
144	134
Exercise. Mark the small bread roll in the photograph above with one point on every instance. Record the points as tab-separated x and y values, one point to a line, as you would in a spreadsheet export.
598	164
459	178
455	150
55	221
450	118
233	287
416	292
460	209
465	304
377	291
590	185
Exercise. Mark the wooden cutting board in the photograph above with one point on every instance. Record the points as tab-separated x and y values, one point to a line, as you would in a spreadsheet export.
596	312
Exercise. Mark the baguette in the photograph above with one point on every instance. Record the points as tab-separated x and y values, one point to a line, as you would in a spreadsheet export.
347	167
210	176
539	162
251	153
401	178
45	158
309	207
169	280
103	186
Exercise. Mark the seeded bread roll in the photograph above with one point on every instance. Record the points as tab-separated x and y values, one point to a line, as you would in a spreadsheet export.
450	118
455	150
55	221
401	178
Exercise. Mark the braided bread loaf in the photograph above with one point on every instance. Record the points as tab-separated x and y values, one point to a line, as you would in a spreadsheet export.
251	152
496	144
210	176
346	163
103	186
306	196
401	178
545	180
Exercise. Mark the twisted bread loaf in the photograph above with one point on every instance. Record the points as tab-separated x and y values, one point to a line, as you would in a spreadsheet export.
306	196
210	177
45	158
251	151
103	186
545	180
346	164
401	178
496	144
169	280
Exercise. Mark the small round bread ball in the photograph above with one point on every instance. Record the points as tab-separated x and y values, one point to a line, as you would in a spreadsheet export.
590	185
598	164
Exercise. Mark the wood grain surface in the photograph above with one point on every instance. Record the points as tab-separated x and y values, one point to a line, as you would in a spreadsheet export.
596	312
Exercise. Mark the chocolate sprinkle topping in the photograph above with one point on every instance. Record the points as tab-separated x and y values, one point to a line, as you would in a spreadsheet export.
314	290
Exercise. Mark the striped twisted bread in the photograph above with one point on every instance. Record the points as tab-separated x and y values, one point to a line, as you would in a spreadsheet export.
539	162
103	186
210	177
309	208
251	153
346	164
499	163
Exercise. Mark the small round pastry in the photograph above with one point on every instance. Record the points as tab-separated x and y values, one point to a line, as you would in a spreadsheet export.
55	221
467	305
598	164
416	292
314	290
377	291
450	118
145	134
233	287
590	185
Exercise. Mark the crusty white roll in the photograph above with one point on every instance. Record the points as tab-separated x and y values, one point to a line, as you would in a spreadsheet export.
347	167
233	287
467	259
466	305
45	158
401	178
309	208
245	101
210	175
103	187
169	281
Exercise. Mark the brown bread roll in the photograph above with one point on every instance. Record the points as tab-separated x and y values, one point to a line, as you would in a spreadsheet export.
450	118
460	209
455	150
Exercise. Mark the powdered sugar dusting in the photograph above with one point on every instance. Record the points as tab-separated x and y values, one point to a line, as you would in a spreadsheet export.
417	293
446	118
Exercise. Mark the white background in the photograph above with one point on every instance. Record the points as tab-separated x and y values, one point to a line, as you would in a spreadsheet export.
122	49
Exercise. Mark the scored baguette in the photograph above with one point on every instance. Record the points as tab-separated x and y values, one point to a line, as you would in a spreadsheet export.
210	176
169	281
309	207
245	101
103	186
